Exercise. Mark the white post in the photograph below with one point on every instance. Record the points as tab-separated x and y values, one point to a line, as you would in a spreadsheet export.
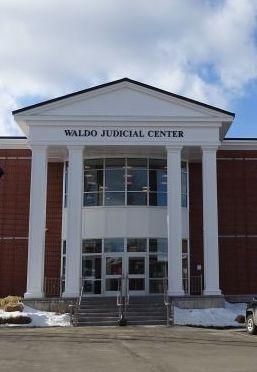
74	216
210	221
37	222
174	219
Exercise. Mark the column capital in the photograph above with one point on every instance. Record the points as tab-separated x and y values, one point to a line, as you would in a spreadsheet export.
75	148
174	148
38	148
209	148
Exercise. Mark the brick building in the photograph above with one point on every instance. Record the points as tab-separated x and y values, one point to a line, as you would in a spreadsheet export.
126	180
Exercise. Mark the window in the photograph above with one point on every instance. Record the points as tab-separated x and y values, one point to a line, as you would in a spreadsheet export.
114	181
157	182
128	181
137	185
158	251
184	184
93	182
114	245
63	264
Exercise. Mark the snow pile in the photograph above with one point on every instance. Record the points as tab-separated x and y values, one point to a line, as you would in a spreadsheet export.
39	318
213	317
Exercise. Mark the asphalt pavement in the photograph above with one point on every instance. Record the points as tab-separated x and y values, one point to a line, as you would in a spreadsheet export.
123	349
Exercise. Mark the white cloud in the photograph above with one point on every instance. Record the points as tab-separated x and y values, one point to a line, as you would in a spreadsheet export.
203	49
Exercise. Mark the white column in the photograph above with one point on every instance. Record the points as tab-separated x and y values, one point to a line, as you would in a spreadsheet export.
210	221
74	216
174	218
37	222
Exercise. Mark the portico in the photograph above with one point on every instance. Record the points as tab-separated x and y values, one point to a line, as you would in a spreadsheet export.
121	220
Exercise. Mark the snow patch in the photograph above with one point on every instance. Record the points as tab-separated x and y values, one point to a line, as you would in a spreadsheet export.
39	318
213	317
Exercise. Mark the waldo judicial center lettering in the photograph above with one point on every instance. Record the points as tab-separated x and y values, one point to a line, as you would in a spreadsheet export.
130	133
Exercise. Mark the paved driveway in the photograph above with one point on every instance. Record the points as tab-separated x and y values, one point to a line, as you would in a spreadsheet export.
147	349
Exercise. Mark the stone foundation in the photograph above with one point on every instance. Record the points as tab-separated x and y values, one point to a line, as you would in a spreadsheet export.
199	302
58	305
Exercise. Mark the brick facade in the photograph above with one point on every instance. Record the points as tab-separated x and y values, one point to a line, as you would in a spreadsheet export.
237	207
14	220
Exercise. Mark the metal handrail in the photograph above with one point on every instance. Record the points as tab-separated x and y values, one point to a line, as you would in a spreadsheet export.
74	309
167	302
123	299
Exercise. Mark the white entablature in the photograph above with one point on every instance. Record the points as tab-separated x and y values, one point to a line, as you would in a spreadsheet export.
123	104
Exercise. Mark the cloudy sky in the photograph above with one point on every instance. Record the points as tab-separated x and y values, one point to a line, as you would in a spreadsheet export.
203	49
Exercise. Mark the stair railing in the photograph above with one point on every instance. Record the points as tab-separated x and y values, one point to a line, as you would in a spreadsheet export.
168	303
74	309
123	299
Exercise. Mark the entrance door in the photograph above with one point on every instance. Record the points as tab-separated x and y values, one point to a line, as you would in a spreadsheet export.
136	271
92	274
127	258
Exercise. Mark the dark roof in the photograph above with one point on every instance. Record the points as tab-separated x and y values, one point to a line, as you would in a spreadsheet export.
13	137
117	82
240	139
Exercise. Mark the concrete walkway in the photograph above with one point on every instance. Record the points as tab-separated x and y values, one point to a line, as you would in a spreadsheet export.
111	349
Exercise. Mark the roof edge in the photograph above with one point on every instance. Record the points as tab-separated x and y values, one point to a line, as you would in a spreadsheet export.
159	90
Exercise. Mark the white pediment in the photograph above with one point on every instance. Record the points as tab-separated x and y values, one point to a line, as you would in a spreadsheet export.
123	100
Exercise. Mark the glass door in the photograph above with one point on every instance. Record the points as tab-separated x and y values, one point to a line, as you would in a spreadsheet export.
136	266
113	259
92	274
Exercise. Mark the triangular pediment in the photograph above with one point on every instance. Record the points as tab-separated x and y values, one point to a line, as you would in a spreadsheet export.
122	99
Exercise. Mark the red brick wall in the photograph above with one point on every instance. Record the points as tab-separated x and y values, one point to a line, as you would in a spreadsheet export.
237	210
14	220
53	226
237	201
195	218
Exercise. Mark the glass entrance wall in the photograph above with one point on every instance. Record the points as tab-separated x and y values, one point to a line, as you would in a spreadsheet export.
142	260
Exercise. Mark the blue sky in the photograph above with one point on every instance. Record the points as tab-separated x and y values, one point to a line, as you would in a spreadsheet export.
202	49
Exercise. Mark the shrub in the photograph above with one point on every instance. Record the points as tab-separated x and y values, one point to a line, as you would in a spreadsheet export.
13	307
9	300
16	320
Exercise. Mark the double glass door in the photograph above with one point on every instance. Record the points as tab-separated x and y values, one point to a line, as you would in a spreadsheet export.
130	265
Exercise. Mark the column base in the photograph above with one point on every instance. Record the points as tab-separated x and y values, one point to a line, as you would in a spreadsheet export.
212	292
176	293
70	294
34	295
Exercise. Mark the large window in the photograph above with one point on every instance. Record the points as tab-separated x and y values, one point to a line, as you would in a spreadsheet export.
128	181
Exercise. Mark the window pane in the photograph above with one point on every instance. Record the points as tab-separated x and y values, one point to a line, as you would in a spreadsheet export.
114	198
115	180
114	162
64	247
156	286
111	284
158	180
91	267
93	199
92	287
184	200
114	245
184	166
138	163
158	246
157	266
136	245
137	179
136	265
93	164
93	180
92	246
184	183
113	265
158	198
157	163
137	198
136	284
